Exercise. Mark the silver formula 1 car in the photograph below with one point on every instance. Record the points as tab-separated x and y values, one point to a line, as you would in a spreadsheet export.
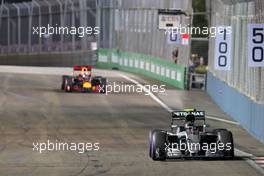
190	138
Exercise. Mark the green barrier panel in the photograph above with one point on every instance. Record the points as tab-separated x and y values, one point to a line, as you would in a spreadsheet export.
106	59
150	66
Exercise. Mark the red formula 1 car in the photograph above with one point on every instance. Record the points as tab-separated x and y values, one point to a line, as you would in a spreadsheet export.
83	81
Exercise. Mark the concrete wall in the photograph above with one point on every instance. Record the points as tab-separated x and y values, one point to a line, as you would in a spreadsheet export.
240	107
51	59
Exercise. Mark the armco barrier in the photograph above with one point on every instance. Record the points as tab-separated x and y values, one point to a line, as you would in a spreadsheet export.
240	107
150	66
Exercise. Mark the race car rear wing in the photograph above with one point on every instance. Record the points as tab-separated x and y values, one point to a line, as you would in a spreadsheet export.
82	68
180	115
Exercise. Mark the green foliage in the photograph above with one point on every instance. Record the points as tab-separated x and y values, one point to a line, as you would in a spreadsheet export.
202	69
198	5
199	20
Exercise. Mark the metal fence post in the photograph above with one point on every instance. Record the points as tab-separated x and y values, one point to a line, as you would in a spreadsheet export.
73	23
61	21
39	20
1	11
50	12
111	31
98	21
29	26
83	22
50	18
18	26
8	28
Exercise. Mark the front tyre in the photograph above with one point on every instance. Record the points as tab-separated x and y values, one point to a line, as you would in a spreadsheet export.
103	83
157	148
226	137
150	142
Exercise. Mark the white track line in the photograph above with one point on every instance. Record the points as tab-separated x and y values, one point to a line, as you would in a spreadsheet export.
241	153
238	152
154	97
253	164
250	159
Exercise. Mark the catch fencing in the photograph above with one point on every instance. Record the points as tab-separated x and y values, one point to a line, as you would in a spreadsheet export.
247	80
132	26
18	20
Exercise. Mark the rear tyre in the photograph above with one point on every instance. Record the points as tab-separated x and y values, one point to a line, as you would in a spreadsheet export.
64	77
157	148
68	85
226	137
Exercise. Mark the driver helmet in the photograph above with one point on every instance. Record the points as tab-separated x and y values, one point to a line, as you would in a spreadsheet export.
189	120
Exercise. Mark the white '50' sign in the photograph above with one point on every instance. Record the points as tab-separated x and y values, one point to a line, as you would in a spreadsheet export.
256	45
